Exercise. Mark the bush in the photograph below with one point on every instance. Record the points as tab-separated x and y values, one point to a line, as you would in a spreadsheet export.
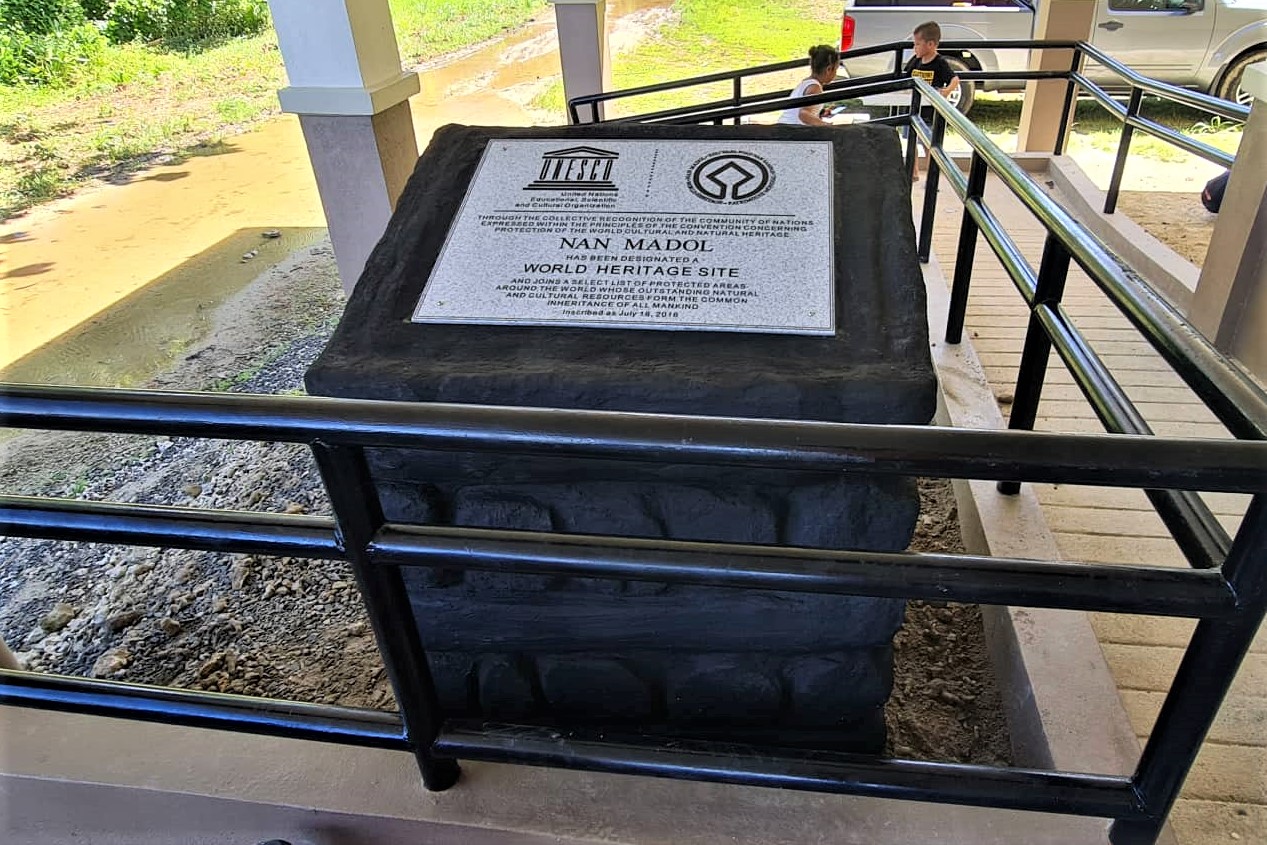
55	58
40	17
95	10
136	20
192	21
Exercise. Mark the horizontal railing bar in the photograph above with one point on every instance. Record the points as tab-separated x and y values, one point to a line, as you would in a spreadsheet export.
773	96
723	76
817	771
988	75
1228	391
829	96
1197	148
845	90
648	117
1014	262
271	717
1198	533
896	120
1103	460
951	172
998	44
1111	588
240	532
690	82
1111	105
1164	89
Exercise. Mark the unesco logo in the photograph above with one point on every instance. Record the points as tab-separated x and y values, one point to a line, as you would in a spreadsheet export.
576	169
730	177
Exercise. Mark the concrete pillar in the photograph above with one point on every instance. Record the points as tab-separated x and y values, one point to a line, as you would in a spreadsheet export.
1230	302
582	27
347	87
1057	20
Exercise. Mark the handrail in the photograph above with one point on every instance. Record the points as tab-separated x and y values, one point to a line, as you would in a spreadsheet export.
1227	390
594	100
1129	116
1116	460
171	706
1195	99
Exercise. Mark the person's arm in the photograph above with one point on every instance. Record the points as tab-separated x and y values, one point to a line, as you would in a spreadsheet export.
809	114
946	72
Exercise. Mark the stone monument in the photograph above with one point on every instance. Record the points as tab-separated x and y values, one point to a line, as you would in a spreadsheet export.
758	272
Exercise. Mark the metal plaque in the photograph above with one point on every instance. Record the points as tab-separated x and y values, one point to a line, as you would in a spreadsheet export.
680	235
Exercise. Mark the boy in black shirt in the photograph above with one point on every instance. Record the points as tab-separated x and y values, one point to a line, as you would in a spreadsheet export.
931	67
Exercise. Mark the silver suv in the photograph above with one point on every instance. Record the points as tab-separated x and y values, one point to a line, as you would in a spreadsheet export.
1204	44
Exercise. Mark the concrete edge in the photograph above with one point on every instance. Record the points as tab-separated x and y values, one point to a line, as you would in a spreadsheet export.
1060	698
1165	270
1029	162
126	815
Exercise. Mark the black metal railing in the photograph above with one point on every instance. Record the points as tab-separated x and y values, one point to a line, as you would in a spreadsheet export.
1233	396
1229	598
1198	534
1131	118
1127	80
1225	587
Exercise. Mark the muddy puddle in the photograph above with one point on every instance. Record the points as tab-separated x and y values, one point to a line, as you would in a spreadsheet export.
148	330
108	286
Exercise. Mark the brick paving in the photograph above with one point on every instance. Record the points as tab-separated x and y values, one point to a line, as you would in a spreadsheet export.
1225	797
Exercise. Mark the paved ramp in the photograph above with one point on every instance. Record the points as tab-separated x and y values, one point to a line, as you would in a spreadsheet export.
1225	797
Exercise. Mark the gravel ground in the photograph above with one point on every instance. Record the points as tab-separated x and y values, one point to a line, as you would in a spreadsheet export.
293	628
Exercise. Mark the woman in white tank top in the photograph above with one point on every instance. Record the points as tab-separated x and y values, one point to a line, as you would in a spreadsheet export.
824	62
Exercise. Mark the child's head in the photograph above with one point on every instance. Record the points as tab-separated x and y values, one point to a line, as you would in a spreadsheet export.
926	37
823	60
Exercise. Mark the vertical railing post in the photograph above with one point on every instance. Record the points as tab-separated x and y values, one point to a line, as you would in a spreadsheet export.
1204	677
359	516
897	62
1123	150
928	215
1071	94
966	251
737	96
1052	273
912	138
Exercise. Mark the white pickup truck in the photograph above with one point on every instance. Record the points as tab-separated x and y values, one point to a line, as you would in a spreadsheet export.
1203	44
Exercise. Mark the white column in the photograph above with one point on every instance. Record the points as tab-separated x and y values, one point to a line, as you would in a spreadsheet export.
582	28
1056	20
351	95
1230	302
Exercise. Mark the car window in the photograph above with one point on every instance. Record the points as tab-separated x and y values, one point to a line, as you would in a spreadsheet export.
1156	5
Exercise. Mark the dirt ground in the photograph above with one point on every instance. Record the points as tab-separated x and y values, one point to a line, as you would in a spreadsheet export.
292	628
1176	219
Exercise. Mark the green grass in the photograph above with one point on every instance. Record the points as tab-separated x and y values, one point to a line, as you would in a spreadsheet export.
714	35
426	29
139	103
136	102
235	110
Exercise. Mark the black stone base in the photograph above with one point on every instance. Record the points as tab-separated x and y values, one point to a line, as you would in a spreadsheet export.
776	668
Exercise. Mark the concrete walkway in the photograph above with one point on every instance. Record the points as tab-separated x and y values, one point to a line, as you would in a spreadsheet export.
1225	797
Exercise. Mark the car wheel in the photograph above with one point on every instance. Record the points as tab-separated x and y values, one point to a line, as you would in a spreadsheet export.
1230	85
965	95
